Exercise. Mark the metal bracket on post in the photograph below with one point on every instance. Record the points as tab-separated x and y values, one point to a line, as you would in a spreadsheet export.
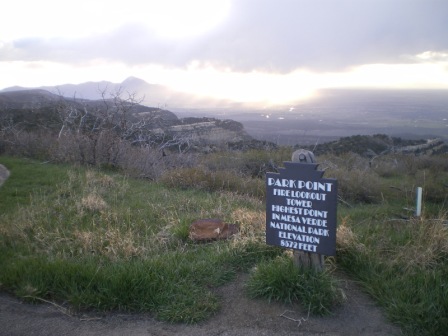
307	259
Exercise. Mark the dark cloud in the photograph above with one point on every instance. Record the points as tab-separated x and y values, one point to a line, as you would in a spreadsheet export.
277	36
325	34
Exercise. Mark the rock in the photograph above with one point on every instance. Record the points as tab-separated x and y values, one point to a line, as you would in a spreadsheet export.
4	174
430	147
211	229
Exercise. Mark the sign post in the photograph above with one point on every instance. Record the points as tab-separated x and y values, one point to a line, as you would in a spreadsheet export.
301	210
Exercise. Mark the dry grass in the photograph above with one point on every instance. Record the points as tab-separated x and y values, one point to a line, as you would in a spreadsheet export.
79	221
203	179
346	239
92	213
93	202
427	244
252	224
111	243
416	243
91	216
403	264
86	242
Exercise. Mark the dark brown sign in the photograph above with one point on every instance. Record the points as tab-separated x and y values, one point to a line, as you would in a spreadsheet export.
301	209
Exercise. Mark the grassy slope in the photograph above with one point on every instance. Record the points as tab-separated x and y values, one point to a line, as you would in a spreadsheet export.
106	242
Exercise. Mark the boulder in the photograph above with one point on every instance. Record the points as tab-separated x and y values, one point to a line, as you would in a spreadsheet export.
4	174
211	229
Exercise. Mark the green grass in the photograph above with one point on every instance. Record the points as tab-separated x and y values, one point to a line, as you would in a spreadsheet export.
404	266
176	286
401	261
105	242
27	177
99	240
280	280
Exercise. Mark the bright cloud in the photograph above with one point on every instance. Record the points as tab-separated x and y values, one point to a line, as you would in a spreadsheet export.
250	50
254	87
53	18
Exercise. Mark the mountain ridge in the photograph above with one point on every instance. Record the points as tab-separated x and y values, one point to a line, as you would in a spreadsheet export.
36	107
149	94
334	113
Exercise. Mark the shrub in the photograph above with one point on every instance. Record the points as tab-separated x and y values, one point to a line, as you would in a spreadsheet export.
387	166
252	163
435	186
356	185
203	179
36	145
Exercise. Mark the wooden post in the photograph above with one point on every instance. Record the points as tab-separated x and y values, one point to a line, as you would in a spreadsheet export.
307	259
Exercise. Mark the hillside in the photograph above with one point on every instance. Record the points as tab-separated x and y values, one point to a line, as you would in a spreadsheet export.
380	144
328	116
39	100
141	124
30	109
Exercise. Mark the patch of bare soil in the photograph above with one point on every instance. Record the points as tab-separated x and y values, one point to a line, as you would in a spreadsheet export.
238	316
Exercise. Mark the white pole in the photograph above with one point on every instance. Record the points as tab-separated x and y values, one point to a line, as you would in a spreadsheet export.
418	208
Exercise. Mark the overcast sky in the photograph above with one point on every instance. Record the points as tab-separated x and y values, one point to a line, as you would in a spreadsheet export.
273	50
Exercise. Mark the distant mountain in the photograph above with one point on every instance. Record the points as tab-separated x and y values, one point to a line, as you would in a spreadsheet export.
149	94
25	99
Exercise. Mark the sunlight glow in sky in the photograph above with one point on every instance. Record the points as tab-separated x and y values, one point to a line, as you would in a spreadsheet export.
246	50
51	19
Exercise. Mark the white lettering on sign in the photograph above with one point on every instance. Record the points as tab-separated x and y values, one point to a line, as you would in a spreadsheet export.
299	237
301	209
314	221
288	227
298	246
299	184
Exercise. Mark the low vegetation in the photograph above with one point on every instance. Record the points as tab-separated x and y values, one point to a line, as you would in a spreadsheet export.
107	237
280	279
102	241
404	266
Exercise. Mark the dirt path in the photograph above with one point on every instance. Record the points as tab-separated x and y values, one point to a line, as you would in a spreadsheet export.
238	316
